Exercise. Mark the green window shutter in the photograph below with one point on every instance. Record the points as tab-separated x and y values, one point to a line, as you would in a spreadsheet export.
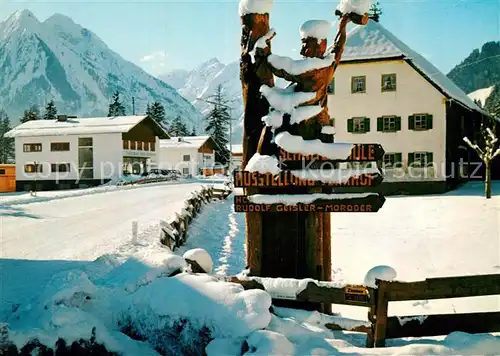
429	122
411	122
367	124
430	158
411	158
350	125
398	123
332	121
380	124
398	158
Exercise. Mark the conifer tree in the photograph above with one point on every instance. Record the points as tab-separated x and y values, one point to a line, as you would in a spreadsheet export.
217	127
6	143
116	108
33	113
157	112
193	131
375	12
178	128
50	111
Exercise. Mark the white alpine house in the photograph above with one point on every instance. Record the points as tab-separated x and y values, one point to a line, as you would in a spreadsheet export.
385	92
71	152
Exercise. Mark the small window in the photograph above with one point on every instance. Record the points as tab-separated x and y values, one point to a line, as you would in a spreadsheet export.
186	158
60	167
332	121
420	122
32	147
2	172
33	167
389	123
85	141
358	125
420	159
59	146
331	87
358	84
392	159
185	171
388	82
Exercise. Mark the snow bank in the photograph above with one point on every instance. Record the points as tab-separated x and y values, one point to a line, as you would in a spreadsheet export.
284	288
289	199
263	164
299	66
385	273
285	100
359	7
255	7
296	144
201	257
274	119
403	320
319	29
264	342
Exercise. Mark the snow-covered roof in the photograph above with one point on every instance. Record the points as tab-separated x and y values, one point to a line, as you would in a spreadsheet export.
184	142
237	149
481	95
77	126
373	41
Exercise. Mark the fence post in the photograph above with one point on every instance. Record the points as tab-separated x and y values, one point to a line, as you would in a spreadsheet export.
134	232
381	313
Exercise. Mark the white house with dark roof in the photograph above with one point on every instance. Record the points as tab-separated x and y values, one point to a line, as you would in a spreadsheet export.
190	155
385	92
75	152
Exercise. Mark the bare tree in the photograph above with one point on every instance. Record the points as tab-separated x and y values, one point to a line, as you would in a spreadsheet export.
487	154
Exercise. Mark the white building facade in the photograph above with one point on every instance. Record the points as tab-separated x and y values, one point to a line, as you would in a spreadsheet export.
71	152
190	155
385	93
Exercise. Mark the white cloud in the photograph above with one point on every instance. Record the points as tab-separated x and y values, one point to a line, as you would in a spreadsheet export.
155	62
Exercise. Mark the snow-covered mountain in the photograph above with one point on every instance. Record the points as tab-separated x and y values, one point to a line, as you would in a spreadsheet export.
59	60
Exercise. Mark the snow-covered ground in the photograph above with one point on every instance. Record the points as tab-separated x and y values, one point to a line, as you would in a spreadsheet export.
420	237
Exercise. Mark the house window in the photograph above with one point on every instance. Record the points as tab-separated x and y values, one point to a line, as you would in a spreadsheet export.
388	82
185	171
331	87
332	122
358	84
2	172
420	159
60	167
126	144
391	160
420	122
33	167
358	125
32	147
186	158
389	123
59	146
85	142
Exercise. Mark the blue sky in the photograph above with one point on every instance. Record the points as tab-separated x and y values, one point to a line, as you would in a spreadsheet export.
163	35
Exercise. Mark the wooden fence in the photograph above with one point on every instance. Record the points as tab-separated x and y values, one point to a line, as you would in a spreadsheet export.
174	231
376	300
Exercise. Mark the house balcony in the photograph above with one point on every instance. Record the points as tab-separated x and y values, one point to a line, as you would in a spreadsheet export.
139	148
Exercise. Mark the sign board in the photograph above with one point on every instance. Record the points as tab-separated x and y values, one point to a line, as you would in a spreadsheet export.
356	295
244	179
370	203
361	152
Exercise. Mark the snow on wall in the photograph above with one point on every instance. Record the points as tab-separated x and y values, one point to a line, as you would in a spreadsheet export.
303	198
385	273
328	130
255	7
319	29
299	66
285	100
296	144
357	6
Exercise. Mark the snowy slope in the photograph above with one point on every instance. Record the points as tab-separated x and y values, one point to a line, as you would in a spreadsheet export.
481	95
60	60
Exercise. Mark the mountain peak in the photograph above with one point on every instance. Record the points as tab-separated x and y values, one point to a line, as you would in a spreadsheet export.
21	19
59	20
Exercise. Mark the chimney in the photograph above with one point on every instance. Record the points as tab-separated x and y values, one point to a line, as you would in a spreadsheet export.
62	118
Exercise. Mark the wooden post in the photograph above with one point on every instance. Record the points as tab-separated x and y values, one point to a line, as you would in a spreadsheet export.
381	313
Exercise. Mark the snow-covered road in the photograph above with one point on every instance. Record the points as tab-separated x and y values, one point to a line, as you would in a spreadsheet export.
86	227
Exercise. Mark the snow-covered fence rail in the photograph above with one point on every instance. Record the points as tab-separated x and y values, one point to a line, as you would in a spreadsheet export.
174	231
432	325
